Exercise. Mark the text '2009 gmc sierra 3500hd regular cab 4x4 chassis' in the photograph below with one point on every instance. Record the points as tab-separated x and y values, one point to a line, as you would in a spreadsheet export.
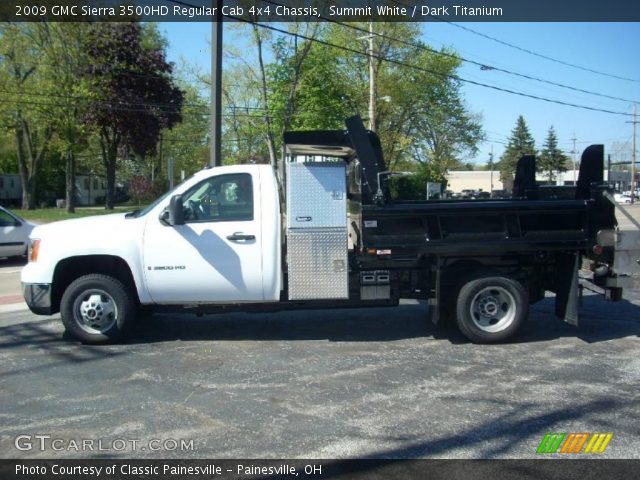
219	242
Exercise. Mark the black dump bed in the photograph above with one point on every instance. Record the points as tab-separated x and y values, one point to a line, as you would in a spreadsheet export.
527	222
477	227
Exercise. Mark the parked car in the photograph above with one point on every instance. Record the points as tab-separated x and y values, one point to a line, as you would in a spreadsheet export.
14	234
500	194
469	194
622	197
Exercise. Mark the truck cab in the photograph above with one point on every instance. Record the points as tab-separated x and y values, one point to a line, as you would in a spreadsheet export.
226	248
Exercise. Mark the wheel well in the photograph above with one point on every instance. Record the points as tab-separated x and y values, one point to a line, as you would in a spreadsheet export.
72	268
458	273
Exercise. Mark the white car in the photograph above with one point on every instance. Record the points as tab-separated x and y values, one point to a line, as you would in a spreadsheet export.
622	197
14	234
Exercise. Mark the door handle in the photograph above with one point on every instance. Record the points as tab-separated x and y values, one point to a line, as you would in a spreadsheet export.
238	237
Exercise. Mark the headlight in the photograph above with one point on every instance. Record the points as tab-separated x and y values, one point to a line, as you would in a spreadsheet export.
34	248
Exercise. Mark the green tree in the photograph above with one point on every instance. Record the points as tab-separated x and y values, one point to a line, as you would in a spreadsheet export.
421	115
520	143
63	60
551	159
424	122
263	100
137	96
187	142
25	111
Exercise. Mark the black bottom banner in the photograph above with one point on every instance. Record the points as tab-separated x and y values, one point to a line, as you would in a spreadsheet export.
246	469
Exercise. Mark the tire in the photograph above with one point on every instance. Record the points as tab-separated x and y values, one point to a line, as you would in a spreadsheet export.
97	309
491	309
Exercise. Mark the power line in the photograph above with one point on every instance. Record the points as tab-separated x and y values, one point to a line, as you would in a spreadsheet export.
126	73
403	64
482	65
72	97
124	108
546	57
238	111
416	67
108	104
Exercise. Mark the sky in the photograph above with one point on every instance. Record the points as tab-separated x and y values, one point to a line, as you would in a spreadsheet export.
611	48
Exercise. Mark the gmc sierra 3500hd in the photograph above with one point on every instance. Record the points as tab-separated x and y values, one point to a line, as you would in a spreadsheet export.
219	242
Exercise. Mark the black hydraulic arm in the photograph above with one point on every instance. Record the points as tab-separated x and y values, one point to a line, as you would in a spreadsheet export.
370	158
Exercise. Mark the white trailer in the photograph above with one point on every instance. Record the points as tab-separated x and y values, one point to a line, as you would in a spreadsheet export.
10	189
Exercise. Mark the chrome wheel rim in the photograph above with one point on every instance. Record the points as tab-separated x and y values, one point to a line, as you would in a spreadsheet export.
493	309
95	311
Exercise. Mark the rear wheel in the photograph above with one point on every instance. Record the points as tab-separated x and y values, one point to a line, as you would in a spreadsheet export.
97	309
491	309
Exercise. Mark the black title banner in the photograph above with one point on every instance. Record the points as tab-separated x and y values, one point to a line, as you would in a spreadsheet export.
321	10
253	469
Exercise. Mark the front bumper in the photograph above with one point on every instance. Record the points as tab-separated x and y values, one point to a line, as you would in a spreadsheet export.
38	297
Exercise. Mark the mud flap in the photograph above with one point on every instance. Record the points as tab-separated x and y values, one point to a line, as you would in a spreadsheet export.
567	288
434	301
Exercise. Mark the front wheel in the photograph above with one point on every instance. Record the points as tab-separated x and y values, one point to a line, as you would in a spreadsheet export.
491	309
97	309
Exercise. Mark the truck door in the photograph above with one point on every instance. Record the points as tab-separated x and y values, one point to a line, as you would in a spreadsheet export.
215	257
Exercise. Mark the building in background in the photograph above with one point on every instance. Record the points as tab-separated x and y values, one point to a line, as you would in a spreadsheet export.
10	189
90	190
478	180
481	180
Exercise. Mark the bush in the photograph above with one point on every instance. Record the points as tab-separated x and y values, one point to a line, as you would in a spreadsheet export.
414	186
140	188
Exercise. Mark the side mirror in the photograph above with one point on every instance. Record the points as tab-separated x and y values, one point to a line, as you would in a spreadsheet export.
176	213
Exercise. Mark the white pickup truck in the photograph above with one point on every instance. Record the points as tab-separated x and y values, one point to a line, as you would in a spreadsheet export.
227	250
221	241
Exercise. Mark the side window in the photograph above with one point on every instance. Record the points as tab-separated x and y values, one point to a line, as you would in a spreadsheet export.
223	198
7	220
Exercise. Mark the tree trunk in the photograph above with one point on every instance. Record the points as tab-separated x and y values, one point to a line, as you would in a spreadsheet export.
22	167
27	166
31	195
109	146
270	137
70	178
111	183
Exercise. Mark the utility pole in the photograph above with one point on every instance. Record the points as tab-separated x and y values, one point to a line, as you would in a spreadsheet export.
170	172
216	85
372	81
634	184
574	152
491	171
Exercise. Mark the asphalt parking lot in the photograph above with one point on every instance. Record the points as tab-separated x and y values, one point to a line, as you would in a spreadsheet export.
377	383
324	384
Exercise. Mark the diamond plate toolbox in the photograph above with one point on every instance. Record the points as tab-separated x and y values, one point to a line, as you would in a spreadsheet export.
317	264
316	195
